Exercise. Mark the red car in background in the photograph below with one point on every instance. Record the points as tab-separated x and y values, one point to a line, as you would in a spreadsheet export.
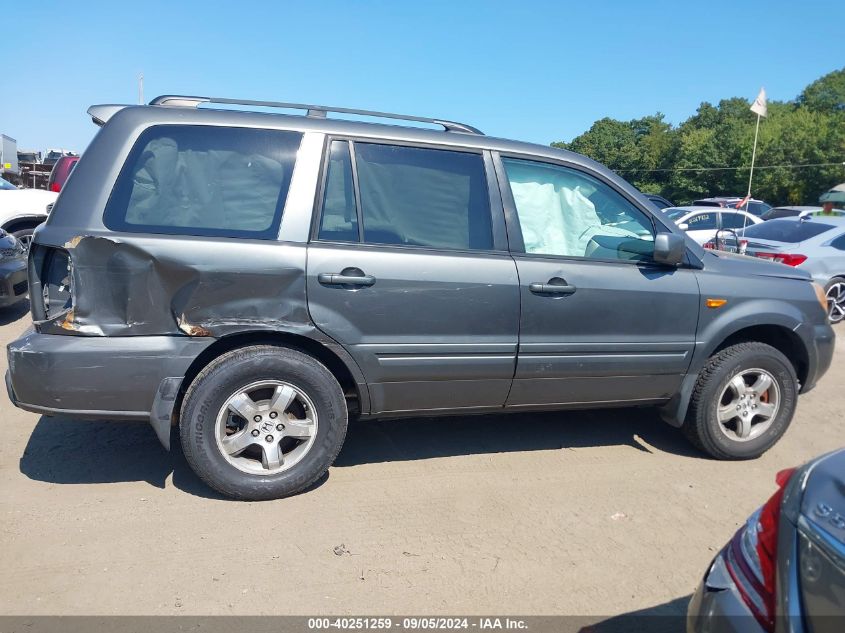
61	172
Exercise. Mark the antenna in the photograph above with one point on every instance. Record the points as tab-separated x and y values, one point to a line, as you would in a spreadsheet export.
141	89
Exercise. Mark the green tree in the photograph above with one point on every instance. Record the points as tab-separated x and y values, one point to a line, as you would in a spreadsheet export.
825	94
710	152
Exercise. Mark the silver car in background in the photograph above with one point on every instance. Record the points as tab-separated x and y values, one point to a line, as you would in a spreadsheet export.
813	243
784	569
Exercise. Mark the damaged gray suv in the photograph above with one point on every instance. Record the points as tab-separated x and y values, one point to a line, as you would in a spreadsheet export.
258	279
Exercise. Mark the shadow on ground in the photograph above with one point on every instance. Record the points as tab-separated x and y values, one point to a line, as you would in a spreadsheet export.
422	438
669	617
71	452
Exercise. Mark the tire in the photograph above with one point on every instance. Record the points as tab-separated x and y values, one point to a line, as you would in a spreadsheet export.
240	475
837	284
715	392
24	235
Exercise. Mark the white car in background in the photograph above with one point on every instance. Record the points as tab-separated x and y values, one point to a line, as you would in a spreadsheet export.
21	210
702	223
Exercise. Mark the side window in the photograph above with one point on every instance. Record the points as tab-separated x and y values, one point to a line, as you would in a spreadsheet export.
423	197
735	221
565	212
839	243
204	180
702	222
339	221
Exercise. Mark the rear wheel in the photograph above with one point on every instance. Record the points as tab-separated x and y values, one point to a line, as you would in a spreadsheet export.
835	292
743	402
263	422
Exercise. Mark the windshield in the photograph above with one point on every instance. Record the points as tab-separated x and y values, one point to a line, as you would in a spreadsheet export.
789	231
5	184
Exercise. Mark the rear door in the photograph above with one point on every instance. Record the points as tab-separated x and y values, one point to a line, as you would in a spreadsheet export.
703	225
408	269
601	322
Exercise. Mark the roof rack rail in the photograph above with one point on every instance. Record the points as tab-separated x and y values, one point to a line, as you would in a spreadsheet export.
313	111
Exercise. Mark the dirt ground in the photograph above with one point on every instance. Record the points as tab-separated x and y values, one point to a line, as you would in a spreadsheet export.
595	513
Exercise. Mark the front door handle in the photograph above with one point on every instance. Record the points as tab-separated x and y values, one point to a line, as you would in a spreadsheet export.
555	286
339	279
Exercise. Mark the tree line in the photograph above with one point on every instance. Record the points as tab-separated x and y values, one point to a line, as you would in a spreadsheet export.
664	159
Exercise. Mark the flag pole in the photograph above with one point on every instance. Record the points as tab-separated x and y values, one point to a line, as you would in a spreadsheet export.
753	156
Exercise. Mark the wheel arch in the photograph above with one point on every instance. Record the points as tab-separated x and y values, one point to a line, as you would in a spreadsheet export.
333	356
783	339
23	222
776	334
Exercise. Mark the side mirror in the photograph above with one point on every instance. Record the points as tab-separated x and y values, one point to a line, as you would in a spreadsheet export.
669	249
683	226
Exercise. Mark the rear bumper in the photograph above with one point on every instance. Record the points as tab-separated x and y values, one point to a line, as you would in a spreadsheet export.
118	378
717	607
13	283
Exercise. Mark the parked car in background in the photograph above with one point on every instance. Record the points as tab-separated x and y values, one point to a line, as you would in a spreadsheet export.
21	210
812	243
787	212
61	172
54	155
753	206
257	279
702	223
659	201
784	569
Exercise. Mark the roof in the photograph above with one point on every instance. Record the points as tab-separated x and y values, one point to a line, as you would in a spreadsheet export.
706	209
142	116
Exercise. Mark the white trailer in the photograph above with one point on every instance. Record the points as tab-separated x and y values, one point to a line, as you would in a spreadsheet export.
8	157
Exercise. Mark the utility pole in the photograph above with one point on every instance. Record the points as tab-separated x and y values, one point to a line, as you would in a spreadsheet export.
141	89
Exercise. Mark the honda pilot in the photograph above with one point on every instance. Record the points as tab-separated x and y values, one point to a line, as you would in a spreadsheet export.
256	280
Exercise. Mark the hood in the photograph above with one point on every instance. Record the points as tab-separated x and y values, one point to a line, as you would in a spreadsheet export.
734	264
21	201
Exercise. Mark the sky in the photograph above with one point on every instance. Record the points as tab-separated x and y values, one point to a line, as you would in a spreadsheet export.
533	71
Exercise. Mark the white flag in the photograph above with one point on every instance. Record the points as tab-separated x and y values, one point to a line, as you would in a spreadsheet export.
759	105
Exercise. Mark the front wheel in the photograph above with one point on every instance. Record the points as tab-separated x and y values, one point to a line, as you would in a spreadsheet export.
263	422
24	236
743	402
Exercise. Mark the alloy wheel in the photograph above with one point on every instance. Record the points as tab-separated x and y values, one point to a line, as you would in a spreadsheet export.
748	405
266	427
836	302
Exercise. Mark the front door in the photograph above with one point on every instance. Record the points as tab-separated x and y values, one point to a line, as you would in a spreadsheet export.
409	271
601	322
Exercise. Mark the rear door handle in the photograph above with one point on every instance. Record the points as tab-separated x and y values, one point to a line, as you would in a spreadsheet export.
339	279
559	287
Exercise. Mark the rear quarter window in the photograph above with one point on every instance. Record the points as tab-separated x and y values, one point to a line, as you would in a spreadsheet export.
789	231
204	180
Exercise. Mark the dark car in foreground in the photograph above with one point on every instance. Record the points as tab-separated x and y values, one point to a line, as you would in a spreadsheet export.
784	569
13	277
257	279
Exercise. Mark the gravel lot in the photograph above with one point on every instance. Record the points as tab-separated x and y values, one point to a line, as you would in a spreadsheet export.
595	513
